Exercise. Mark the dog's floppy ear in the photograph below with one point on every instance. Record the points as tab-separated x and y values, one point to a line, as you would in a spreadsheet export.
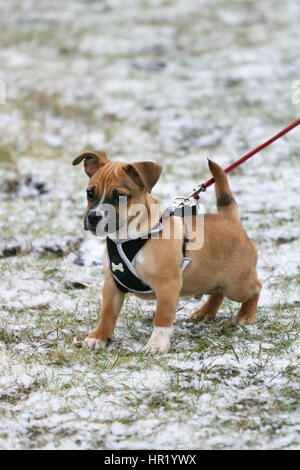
144	174
92	161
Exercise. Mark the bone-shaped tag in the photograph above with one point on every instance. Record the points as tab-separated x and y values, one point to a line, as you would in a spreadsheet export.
117	267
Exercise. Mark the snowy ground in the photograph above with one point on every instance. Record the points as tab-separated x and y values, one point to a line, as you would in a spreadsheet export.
172	81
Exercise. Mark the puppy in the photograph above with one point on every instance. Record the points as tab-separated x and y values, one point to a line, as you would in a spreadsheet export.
225	266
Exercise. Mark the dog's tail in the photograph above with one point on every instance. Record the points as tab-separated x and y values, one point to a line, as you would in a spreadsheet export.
225	201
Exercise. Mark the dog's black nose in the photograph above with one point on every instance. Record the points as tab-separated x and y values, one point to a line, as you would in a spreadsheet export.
93	218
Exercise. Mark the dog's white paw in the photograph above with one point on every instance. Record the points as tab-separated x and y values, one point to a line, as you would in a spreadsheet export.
159	341
94	343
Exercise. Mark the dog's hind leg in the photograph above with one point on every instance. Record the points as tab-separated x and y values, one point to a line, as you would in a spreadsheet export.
247	312
209	310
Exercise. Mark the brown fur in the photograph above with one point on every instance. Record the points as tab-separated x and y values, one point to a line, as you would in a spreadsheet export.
224	267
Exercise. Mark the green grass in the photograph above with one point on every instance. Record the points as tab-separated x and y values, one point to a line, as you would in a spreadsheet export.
89	81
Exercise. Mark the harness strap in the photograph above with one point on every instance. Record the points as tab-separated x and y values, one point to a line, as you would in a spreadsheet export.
121	254
124	273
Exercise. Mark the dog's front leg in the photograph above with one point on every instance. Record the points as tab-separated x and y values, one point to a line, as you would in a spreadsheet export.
167	295
111	305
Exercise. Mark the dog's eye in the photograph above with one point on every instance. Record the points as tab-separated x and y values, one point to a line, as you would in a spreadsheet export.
90	193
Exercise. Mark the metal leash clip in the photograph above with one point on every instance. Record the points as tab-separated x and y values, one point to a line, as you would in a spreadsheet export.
180	201
193	198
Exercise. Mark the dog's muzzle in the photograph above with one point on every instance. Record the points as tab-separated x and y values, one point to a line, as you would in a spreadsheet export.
91	220
101	222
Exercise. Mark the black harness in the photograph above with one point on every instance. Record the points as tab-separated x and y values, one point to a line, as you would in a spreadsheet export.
122	254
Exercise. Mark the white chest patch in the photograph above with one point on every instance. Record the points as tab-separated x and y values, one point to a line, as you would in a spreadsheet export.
117	267
139	258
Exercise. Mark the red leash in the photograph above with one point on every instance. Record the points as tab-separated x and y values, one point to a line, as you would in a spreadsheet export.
246	157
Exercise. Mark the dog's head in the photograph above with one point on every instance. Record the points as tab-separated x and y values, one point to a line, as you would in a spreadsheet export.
114	188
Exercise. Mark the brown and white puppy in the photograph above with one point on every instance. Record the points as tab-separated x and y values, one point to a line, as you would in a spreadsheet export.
225	266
